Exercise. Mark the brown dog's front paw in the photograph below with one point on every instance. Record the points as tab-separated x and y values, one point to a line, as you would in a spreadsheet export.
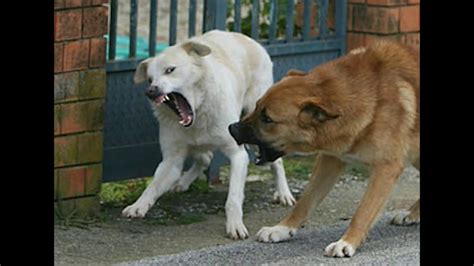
339	249
275	233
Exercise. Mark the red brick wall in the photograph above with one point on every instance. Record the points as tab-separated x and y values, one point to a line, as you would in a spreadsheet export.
79	92
397	20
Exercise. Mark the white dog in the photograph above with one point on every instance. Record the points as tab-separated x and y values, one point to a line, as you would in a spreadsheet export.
197	89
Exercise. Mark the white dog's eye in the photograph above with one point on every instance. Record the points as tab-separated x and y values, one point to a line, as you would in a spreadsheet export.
169	70
150	80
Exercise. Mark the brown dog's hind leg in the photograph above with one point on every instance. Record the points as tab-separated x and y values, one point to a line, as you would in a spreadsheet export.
409	217
412	215
324	176
381	183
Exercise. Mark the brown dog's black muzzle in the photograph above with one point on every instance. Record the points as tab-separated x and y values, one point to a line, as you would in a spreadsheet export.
243	133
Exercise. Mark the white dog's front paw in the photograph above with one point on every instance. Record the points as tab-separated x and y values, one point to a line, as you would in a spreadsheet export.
339	249
136	210
404	218
286	199
236	230
275	233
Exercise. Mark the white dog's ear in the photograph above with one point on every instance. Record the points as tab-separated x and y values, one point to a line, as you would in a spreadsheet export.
199	49
140	72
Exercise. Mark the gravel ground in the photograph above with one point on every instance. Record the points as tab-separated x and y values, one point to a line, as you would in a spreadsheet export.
119	240
386	245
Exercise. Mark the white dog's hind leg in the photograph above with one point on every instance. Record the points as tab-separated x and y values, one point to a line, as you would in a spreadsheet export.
202	161
282	194
166	174
239	160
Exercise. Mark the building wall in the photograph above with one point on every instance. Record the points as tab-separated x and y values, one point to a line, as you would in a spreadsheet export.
398	20
79	93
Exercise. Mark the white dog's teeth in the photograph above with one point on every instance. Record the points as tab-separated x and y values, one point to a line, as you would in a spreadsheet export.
167	98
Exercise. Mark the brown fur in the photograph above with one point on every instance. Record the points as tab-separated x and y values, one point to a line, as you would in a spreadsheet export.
361	107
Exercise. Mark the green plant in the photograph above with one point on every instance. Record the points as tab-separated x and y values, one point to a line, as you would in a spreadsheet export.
122	193
264	26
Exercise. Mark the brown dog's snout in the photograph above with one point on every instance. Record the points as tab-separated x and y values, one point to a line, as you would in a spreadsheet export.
242	133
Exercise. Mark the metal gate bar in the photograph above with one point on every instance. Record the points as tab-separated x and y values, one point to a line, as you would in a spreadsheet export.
131	144
133	28
152	35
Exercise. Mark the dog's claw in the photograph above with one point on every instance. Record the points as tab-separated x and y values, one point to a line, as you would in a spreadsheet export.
285	199
136	210
237	230
339	249
275	233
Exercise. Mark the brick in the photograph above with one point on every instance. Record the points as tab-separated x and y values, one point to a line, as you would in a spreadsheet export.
87	207
413	1
93	179
86	2
357	1
72	119
90	147
67	24
66	87
93	114
371	38
94	22
55	184
374	19
92	84
99	2
97	55
58	57
412	39
410	18
76	55
350	18
71	181
355	40
65	150
387	2
58	4
78	117
72	3
57	122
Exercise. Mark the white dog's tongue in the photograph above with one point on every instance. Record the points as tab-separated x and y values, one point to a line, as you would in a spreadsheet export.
184	112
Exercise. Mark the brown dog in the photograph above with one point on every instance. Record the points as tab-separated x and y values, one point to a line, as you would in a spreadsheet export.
363	107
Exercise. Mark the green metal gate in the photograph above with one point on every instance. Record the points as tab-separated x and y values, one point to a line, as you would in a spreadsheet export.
296	34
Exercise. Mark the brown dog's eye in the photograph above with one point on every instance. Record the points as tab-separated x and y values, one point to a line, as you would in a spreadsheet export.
265	118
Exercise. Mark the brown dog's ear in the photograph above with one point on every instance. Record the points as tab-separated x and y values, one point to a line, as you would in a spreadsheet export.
140	74
313	111
199	49
295	72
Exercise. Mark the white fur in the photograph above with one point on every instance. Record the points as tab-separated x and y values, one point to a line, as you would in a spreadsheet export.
218	86
339	249
358	50
275	233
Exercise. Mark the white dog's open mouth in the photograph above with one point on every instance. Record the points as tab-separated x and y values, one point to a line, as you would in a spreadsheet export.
178	103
